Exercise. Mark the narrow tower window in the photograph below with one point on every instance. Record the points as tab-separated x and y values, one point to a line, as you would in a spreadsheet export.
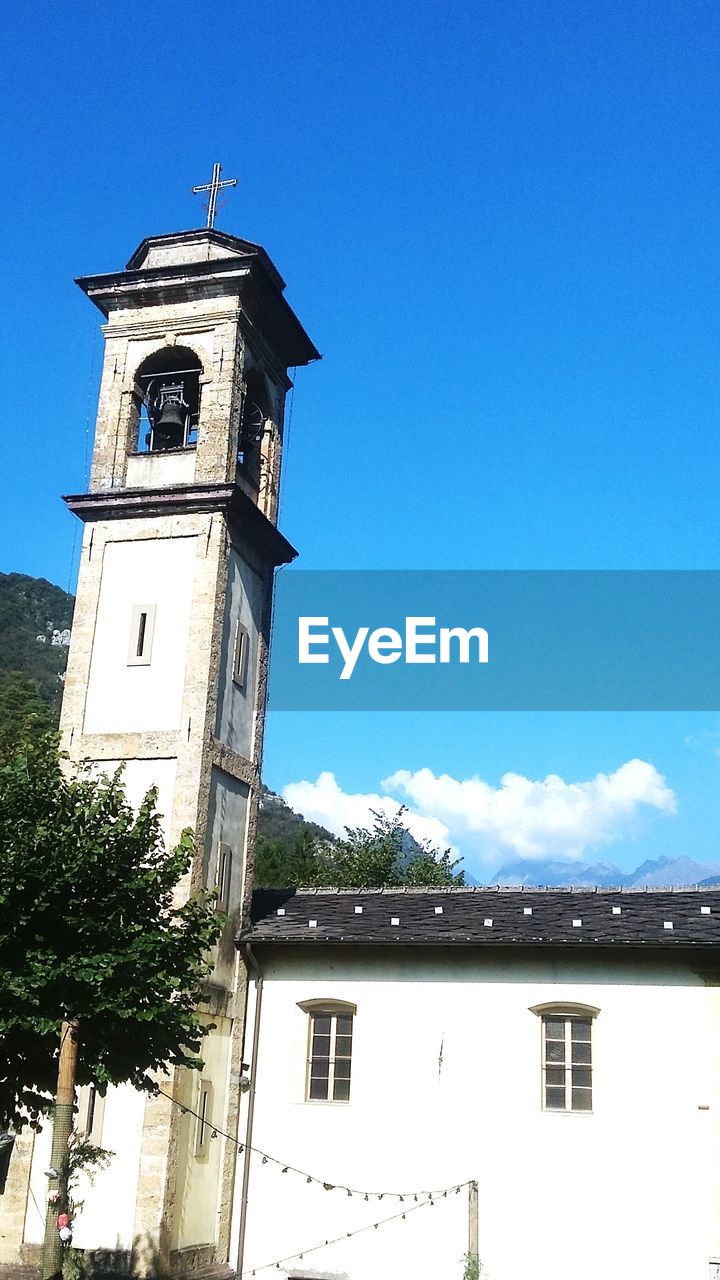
252	422
204	1119
224	875
142	628
240	655
91	1108
141	635
253	425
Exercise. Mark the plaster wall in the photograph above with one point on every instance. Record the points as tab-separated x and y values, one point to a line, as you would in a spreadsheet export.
161	470
107	1216
197	1188
227	824
122	697
244	604
446	1086
138	777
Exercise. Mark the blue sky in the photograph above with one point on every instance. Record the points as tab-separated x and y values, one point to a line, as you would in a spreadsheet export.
500	224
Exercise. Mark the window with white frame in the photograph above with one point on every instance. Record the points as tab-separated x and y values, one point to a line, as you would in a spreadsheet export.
142	628
330	1038
91	1112
204	1130
241	655
567	1061
224	876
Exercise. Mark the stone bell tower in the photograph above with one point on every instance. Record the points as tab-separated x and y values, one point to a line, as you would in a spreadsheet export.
168	663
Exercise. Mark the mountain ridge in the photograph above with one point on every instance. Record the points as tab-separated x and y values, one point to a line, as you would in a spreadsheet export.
653	873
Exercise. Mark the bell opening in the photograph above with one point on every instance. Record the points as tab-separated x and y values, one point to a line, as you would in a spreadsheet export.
252	424
169	388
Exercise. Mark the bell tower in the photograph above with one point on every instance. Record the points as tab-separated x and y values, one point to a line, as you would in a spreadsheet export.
168	664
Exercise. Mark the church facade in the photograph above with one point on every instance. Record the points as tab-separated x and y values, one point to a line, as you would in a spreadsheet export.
167	676
529	1076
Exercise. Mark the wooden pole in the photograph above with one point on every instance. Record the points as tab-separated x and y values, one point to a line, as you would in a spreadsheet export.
52	1253
473	1236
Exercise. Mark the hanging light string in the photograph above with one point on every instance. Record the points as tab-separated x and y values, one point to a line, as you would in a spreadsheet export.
285	1167
347	1235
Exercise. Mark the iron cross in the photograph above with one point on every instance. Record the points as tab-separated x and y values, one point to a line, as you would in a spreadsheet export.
212	188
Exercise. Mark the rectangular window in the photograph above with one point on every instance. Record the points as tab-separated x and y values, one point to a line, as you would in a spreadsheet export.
224	875
240	655
330	1055
91	1111
567	1063
142	628
204	1119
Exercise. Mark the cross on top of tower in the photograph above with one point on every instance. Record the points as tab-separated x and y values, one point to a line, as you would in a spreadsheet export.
213	187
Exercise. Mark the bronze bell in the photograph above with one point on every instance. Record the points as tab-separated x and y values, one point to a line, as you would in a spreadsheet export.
169	429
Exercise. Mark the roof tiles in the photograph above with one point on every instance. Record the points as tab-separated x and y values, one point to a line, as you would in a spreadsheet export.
665	918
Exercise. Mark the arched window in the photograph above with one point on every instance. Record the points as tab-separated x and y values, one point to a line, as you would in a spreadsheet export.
255	414
329	1058
566	1055
168	384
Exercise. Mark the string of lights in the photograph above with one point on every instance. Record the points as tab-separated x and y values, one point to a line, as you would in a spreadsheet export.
310	1178
346	1235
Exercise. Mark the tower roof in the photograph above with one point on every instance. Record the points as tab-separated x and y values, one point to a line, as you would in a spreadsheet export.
204	245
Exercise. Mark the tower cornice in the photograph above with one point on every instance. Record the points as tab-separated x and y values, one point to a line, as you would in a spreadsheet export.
246	275
229	499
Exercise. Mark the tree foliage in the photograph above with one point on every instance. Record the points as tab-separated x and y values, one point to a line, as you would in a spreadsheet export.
88	929
24	712
281	863
383	856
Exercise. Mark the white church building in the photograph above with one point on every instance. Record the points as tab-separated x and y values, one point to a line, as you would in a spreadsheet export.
558	1048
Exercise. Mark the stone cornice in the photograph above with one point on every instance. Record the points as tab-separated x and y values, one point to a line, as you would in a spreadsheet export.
238	766
240	511
244	275
200	322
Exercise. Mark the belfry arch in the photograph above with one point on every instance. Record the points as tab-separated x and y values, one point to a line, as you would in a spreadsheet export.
167	395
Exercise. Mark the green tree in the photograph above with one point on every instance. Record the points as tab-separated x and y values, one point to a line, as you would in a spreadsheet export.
280	862
89	930
24	712
384	856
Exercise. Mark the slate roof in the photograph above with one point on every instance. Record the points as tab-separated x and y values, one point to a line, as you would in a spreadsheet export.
664	918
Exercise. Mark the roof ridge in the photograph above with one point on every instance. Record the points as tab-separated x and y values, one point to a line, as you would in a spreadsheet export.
427	890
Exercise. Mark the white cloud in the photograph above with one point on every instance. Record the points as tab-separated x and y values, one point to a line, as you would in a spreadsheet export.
537	818
325	802
527	817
